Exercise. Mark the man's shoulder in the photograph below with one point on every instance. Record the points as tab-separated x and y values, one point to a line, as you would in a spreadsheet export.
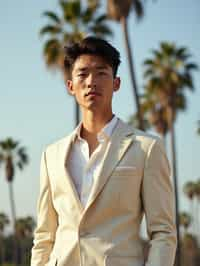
59	143
146	139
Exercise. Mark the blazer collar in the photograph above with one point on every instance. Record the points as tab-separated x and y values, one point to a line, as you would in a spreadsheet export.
121	139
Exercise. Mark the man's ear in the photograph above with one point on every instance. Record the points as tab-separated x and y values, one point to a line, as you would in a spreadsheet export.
70	87
116	83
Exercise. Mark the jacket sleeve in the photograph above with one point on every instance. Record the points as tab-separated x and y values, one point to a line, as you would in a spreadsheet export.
159	207
44	234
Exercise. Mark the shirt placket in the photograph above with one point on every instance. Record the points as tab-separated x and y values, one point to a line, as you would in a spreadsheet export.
89	171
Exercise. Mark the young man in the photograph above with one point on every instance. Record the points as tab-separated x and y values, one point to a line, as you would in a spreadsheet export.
97	183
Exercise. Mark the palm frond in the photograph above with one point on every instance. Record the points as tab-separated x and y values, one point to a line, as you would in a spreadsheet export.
101	18
51	15
148	73
198	129
187	81
71	10
52	51
20	165
93	4
138	7
50	29
87	15
100	30
191	66
23	157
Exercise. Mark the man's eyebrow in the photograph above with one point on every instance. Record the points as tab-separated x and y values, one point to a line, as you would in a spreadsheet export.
81	69
86	68
102	67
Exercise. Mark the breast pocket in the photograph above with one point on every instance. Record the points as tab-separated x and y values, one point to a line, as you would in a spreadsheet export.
126	182
123	261
124	171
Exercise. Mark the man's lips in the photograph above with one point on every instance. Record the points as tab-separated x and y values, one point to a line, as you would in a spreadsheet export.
93	93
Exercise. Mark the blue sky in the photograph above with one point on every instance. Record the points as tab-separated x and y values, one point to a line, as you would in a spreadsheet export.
36	110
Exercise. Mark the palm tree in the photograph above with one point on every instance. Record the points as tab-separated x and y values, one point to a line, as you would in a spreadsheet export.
189	190
12	156
185	220
75	22
133	120
4	221
24	227
198	128
190	250
169	74
119	11
24	232
154	113
197	195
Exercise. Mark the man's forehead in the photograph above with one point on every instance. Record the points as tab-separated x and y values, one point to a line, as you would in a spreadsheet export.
90	61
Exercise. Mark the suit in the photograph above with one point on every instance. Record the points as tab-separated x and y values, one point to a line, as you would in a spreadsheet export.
134	179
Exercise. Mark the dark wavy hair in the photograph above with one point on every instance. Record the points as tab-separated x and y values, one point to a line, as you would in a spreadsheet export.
92	46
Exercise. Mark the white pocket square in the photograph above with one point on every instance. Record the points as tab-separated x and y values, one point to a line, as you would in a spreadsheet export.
124	168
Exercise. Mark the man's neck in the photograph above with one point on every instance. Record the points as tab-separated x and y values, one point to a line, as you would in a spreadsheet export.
91	125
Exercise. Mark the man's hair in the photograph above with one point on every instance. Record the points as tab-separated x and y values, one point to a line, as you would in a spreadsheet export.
91	46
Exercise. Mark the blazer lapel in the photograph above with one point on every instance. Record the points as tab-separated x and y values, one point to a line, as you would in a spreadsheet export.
67	179
120	141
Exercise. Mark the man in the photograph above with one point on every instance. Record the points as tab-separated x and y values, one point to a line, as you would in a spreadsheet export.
97	183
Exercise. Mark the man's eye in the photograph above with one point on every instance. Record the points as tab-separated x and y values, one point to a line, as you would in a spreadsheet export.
81	74
102	73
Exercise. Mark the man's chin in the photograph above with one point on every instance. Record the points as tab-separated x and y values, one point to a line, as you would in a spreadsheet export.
93	106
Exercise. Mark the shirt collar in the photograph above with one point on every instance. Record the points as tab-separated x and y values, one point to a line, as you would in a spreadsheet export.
103	135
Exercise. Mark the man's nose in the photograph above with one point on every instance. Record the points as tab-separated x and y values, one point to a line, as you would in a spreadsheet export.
91	81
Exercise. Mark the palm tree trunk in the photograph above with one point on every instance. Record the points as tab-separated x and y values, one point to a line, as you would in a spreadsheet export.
132	73
13	213
12	203
174	172
198	220
2	249
192	209
77	113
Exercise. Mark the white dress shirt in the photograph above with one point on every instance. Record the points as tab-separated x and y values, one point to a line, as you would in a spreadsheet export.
82	168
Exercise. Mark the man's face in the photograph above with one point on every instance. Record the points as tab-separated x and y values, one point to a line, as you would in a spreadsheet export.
92	83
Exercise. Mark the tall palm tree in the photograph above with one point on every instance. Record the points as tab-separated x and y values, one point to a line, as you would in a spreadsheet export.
169	74
119	11
4	221
185	220
24	226
12	156
154	113
189	190
197	194
198	128
76	21
190	250
24	232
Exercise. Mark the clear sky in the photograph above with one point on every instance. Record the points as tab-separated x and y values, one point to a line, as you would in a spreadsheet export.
36	110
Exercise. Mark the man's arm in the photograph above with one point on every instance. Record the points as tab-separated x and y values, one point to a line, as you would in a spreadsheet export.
159	207
44	234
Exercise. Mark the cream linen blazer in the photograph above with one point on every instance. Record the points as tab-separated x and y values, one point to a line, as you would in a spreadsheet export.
134	180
